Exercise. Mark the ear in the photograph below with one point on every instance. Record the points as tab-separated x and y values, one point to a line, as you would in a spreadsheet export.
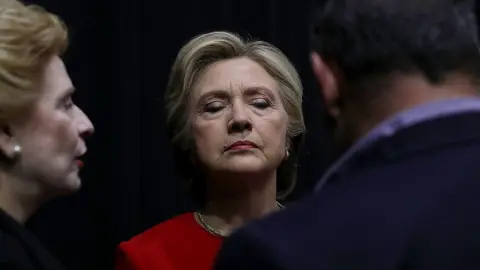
8	146
328	84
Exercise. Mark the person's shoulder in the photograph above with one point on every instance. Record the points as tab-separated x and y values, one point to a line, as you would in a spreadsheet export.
159	231
446	235
287	223
249	248
149	249
267	243
12	254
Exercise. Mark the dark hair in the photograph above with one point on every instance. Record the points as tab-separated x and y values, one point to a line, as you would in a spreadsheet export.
369	39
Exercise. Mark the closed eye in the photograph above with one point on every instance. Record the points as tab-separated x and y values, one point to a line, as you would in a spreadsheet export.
213	107
65	100
68	104
260	103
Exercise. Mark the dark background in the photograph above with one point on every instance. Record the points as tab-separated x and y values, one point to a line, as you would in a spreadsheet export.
119	60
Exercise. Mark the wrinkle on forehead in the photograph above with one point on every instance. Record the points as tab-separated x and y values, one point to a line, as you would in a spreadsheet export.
234	75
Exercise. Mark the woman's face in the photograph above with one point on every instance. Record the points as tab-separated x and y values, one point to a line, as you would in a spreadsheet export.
239	122
52	134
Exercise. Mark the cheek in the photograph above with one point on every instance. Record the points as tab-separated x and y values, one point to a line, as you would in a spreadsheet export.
208	137
66	131
273	132
58	134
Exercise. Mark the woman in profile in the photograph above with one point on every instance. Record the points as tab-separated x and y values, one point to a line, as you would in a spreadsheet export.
236	124
41	130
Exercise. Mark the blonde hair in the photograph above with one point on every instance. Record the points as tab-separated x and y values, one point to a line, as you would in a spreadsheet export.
204	50
29	36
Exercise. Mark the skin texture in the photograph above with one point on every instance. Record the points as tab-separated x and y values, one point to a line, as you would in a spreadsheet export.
237	100
51	135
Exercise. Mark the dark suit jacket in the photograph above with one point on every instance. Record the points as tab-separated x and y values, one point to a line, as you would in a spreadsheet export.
20	250
411	201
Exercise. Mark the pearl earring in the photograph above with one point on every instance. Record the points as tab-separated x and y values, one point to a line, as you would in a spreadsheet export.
17	149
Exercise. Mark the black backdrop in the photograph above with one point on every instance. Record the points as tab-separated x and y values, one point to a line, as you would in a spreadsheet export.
119	60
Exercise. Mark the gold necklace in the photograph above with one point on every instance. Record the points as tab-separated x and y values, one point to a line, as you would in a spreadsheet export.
200	218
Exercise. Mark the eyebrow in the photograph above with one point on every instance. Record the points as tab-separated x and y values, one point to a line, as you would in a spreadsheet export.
214	93
223	93
68	92
257	89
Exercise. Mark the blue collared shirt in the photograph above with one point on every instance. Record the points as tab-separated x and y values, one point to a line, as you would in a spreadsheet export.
400	121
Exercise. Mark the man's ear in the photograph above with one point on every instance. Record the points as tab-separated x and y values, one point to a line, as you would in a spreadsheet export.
328	84
8	146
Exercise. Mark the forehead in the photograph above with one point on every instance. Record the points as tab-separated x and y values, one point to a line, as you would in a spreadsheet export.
55	79
234	75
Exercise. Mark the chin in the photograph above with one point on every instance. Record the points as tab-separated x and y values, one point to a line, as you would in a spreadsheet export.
246	165
75	183
69	185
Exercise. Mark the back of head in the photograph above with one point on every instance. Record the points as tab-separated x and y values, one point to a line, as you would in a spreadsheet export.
29	36
371	39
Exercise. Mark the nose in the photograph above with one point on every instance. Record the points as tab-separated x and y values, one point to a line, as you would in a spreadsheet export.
240	121
85	126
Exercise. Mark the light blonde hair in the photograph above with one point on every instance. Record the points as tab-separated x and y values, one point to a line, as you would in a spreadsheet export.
191	62
29	36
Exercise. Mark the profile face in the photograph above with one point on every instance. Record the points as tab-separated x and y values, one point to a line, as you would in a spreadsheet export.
238	121
52	134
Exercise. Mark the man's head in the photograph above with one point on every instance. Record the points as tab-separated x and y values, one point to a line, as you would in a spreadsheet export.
374	58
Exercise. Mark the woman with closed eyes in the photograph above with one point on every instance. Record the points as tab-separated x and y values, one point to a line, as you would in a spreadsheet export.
235	121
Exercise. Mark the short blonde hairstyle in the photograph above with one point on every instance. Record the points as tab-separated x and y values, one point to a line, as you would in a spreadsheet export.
29	36
191	62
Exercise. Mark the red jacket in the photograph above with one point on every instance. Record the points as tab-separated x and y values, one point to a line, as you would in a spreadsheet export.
177	244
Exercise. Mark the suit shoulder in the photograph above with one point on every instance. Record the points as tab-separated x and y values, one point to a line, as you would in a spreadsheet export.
278	230
446	236
11	251
247	248
455	209
267	243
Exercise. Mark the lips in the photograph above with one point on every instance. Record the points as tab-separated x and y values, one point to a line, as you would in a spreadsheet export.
79	163
241	145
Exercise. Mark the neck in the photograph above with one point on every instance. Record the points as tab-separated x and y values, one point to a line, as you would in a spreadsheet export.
407	92
227	210
16	200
